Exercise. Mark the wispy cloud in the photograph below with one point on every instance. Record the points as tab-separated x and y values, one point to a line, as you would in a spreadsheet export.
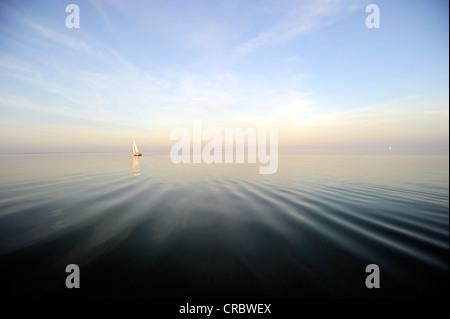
302	19
19	102
69	42
407	119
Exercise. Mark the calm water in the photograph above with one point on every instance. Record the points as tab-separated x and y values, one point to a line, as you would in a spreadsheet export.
144	227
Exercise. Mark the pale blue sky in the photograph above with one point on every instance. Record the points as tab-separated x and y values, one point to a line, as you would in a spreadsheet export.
311	68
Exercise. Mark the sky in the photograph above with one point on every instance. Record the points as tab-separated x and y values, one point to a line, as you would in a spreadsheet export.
140	68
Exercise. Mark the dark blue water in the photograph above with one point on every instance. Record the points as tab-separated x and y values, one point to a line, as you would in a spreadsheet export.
145	227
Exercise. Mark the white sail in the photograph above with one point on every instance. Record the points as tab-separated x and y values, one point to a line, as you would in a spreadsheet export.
135	148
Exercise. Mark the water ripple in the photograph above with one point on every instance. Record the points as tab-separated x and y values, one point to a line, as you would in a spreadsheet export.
297	227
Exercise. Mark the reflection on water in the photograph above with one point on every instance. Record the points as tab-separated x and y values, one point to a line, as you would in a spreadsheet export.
136	166
201	230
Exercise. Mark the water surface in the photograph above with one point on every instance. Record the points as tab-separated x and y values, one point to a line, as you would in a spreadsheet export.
145	227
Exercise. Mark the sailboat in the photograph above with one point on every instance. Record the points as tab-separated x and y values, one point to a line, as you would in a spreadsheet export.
135	149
